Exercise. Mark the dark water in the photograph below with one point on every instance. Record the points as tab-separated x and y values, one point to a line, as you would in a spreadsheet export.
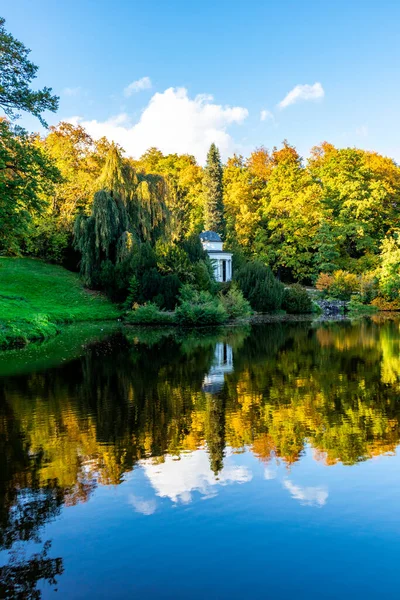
252	463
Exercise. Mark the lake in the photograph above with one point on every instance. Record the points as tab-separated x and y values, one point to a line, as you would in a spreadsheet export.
252	462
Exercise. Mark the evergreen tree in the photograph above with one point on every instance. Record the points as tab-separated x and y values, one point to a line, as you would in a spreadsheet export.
260	287
214	219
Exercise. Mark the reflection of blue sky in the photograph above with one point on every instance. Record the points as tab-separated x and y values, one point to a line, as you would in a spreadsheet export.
309	495
178	479
157	527
181	480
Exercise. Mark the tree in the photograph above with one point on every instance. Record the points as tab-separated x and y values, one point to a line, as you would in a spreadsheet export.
104	238
241	204
259	287
361	194
27	175
289	213
327	254
80	160
16	75
214	219
389	271
183	178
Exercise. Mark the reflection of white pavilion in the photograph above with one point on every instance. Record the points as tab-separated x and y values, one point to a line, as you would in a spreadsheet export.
223	363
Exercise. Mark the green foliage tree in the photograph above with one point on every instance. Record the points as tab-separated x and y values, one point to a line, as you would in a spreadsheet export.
296	300
360	192
260	287
96	237
183	177
27	175
16	75
214	218
327	254
389	271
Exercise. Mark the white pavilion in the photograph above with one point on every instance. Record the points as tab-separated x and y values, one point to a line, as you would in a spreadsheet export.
221	260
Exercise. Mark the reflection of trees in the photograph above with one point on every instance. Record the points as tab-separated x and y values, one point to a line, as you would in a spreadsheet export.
334	386
18	579
25	507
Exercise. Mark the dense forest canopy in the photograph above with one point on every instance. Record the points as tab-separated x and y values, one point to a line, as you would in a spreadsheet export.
68	198
331	211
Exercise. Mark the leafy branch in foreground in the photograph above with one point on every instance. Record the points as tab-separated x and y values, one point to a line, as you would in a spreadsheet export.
16	75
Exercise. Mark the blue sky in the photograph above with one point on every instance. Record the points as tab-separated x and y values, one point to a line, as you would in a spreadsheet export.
207	70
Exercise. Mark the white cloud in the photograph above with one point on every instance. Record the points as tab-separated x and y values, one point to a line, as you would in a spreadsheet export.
269	473
311	496
173	122
145	507
176	479
137	86
71	91
266	115
303	92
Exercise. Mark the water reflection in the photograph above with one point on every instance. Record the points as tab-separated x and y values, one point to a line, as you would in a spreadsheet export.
222	364
181	407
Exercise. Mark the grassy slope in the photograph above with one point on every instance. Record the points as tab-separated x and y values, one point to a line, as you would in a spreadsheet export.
36	297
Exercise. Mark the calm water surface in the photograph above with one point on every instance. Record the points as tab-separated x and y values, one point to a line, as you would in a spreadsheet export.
256	462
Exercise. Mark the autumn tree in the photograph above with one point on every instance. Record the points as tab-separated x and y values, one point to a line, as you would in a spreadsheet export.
183	178
241	204
289	216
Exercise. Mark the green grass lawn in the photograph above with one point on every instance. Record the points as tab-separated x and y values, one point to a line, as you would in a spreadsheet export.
35	298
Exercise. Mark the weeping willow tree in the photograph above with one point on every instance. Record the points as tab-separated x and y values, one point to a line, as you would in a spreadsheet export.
126	211
118	176
99	237
148	210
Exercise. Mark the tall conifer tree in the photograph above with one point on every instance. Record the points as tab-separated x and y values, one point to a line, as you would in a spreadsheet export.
213	192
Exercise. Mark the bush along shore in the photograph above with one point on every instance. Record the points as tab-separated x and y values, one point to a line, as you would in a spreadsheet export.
255	288
36	299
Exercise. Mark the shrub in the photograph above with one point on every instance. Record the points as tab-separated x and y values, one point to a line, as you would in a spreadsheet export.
164	288
149	314
356	306
368	287
260	287
296	300
211	313
384	304
340	285
235	303
324	282
344	285
199	308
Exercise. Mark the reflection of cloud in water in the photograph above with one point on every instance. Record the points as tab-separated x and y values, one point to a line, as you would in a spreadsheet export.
146	507
269	473
177	479
310	496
